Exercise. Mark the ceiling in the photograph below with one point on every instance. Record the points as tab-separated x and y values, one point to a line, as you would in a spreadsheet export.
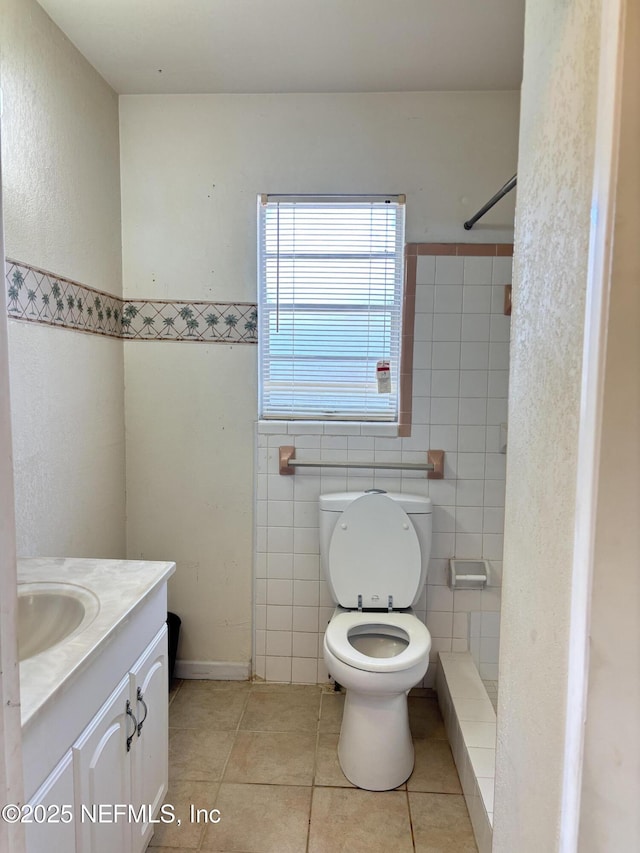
256	46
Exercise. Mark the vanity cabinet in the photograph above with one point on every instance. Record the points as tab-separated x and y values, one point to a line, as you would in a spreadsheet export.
102	771
119	759
149	753
122	758
56	790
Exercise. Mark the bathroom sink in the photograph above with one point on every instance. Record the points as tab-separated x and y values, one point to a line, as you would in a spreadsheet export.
49	613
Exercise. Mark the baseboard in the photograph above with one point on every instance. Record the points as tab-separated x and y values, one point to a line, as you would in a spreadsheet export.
213	670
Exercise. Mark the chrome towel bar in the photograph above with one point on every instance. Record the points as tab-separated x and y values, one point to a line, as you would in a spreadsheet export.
434	464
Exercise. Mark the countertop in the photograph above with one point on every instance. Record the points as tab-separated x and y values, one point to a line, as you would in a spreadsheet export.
121	586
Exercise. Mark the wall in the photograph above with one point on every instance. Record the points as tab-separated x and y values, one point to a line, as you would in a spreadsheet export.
460	386
550	276
11	777
60	154
611	772
192	167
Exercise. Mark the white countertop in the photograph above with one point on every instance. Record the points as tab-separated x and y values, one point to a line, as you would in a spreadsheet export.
121	586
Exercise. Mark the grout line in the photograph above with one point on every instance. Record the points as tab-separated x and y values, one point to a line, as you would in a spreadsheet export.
413	838
235	732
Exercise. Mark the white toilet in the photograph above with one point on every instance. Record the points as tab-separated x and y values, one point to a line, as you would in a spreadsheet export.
374	549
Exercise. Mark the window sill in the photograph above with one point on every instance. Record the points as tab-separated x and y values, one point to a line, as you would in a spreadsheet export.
388	430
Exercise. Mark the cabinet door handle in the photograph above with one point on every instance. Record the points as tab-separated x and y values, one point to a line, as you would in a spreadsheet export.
135	725
140	698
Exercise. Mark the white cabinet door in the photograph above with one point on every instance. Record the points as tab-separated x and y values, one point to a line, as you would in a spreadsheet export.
150	748
102	771
48	812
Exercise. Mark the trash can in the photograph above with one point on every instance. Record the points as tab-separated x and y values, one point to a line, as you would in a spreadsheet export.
173	628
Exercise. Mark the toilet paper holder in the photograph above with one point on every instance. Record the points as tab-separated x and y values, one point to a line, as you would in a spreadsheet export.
468	574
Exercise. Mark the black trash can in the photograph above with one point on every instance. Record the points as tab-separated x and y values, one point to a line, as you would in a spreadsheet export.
173	627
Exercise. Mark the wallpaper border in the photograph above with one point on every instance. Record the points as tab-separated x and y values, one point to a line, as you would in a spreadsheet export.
35	295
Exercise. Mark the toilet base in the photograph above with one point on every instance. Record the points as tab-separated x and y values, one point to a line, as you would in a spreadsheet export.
375	748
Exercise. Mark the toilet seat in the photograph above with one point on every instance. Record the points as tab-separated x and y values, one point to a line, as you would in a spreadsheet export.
337	639
374	554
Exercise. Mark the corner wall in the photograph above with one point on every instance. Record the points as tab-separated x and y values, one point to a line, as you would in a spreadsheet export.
555	177
61	185
609	818
11	776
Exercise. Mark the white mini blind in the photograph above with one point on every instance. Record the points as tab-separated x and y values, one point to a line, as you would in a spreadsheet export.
330	305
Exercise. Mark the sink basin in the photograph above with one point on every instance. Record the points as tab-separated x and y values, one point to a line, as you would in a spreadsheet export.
49	613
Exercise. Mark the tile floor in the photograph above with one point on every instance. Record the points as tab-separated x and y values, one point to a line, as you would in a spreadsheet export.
265	756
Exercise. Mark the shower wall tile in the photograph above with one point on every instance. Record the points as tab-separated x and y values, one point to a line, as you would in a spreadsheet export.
460	375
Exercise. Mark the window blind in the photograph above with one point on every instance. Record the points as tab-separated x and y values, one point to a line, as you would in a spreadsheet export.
330	305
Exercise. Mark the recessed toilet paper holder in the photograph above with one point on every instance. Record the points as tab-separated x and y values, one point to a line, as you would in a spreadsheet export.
468	574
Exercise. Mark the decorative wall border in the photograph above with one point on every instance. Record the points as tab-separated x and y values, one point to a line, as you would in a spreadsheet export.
37	296
203	322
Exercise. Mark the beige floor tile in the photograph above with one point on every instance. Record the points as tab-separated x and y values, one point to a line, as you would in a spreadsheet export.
275	758
281	711
328	770
260	819
198	755
185	835
210	708
441	824
425	719
331	709
348	820
434	770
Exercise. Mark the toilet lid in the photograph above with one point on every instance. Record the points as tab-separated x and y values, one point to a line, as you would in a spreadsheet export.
337	640
374	552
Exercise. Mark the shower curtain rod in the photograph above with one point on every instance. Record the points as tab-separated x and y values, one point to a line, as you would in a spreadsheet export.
468	225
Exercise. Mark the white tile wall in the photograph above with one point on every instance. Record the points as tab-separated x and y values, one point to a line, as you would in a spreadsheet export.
461	361
484	642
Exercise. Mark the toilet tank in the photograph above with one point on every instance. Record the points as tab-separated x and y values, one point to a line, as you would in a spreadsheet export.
417	507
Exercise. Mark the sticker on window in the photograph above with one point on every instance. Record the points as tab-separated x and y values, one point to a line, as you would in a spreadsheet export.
383	373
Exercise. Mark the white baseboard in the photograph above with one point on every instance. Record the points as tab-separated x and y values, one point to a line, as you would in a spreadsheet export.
213	670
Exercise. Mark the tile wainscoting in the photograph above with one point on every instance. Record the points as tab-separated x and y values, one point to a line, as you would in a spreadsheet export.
459	401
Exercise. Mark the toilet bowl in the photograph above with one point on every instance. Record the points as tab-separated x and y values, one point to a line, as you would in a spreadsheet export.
372	552
377	658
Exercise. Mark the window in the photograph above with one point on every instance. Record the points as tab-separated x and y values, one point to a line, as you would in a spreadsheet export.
330	305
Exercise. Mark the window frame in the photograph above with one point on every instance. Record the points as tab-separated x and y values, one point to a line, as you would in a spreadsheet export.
402	310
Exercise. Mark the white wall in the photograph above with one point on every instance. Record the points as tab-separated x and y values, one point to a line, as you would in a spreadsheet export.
611	773
555	176
60	154
192	167
189	485
11	778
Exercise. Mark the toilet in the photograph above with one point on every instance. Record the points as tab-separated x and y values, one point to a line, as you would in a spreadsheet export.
374	551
